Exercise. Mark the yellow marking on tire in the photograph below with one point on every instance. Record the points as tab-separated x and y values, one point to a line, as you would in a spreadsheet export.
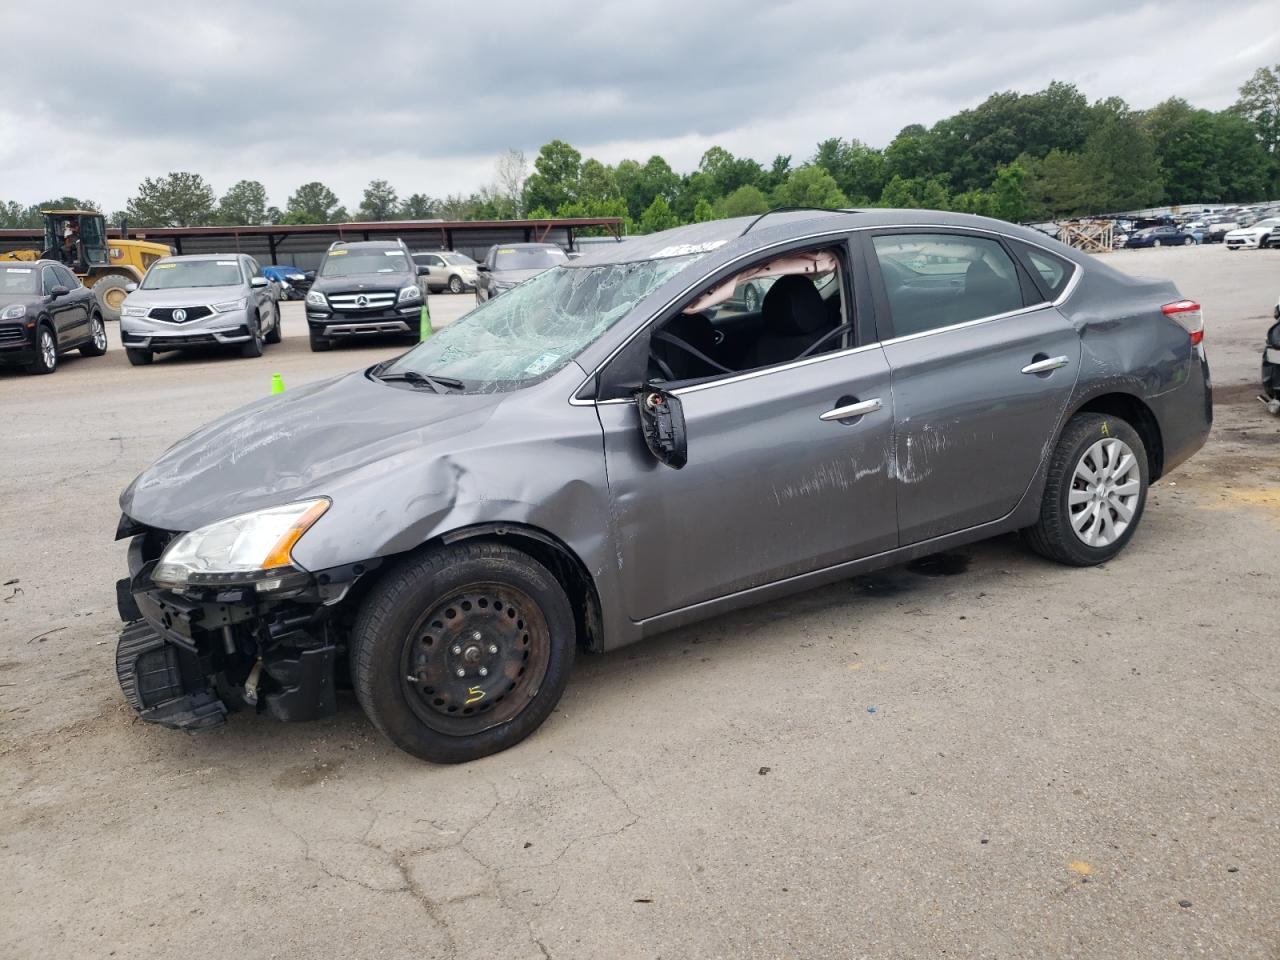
475	695
1106	431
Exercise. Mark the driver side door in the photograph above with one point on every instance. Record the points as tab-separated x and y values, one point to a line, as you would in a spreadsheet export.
774	486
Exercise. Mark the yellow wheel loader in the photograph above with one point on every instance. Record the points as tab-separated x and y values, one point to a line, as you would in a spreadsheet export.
78	238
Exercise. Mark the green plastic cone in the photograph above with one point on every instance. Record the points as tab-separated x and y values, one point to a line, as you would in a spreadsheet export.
424	323
277	384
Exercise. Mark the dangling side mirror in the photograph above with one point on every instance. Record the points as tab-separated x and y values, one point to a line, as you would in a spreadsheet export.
662	423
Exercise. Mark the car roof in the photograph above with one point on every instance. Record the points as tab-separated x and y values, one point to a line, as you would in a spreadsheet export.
527	246
202	256
367	244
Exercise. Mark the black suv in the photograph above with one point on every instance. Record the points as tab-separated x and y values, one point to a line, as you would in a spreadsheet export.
367	288
45	312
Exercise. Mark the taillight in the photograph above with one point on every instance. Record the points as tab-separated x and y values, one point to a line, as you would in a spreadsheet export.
1189	315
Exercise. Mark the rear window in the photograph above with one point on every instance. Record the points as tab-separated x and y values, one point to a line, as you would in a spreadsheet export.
1055	272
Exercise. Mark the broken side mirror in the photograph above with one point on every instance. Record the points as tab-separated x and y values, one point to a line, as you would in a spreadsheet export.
662	423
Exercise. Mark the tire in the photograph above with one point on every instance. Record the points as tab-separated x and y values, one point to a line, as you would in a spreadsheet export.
474	606
274	335
253	348
139	358
751	298
318	343
1156	243
455	284
1097	440
97	346
109	291
1188	241
46	360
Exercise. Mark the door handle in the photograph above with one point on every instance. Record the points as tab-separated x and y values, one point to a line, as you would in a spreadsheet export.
858	409
1044	366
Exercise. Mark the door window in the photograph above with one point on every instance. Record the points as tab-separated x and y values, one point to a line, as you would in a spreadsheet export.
938	280
50	280
787	308
66	277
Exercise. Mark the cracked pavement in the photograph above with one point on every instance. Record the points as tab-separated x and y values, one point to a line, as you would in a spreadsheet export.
1015	760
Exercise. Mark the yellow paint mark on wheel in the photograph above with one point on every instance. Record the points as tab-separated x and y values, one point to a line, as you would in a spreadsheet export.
1080	867
475	695
1106	428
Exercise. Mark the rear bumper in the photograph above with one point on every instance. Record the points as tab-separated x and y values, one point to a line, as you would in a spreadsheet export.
1185	414
1271	372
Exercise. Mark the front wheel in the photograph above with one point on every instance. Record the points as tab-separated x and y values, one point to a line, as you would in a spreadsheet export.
455	284
463	651
97	344
1188	241
46	360
274	334
253	347
1156	243
319	344
139	358
1094	494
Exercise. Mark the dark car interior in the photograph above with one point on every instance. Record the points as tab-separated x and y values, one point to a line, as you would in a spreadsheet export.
800	316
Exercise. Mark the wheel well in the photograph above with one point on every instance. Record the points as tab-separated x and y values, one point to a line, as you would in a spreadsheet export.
563	563
1139	416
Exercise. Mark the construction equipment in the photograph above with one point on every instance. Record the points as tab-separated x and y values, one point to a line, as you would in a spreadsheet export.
78	238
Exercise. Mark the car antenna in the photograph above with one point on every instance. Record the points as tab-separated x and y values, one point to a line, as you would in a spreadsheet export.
747	228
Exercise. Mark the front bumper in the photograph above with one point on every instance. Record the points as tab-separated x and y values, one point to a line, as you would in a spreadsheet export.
143	333
1242	243
185	660
393	320
17	349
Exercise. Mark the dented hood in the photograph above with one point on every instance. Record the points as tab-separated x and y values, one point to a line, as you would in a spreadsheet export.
322	439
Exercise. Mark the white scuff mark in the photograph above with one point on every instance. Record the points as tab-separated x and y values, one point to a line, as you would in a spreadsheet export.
832	475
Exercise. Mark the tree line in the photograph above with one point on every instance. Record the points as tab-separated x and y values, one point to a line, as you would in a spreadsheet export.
1019	157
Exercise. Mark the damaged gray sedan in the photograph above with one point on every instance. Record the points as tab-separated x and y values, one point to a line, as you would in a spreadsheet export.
625	444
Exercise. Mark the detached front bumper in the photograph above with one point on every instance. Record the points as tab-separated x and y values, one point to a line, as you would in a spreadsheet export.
185	660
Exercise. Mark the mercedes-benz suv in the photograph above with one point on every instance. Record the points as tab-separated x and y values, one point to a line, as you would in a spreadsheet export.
362	289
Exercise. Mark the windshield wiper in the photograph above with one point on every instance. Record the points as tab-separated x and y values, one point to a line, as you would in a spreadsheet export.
437	384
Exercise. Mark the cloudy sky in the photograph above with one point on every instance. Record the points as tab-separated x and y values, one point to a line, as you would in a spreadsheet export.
426	95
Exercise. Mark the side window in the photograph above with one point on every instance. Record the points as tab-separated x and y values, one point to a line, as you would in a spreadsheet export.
252	268
776	311
1054	272
66	278
938	280
49	280
434	261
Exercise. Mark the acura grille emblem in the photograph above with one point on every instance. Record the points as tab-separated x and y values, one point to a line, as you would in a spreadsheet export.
179	315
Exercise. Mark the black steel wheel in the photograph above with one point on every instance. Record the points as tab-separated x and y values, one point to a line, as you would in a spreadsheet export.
463	651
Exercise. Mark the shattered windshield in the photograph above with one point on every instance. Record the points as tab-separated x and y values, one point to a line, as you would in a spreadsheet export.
536	328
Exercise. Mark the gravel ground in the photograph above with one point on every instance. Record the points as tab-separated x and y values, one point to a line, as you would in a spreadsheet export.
1018	759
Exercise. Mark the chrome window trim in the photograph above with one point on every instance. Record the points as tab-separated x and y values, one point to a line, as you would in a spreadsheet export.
1076	272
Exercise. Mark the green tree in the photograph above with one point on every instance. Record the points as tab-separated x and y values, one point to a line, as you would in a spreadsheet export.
314	203
658	217
927	193
596	182
1055	186
857	169
746	201
554	181
1008	197
244	204
1119	162
702	211
418	206
180	199
727	172
379	202
810	186
1259	103
640	183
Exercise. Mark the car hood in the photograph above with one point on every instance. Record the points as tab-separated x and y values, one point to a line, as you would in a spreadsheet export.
334	438
1248	231
364	281
516	276
6	299
185	296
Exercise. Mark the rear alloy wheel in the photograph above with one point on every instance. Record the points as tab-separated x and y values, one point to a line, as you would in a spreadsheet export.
274	334
1095	492
109	290
462	652
46	360
455	284
98	345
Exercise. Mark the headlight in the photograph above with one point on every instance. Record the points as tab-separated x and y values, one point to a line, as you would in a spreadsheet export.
14	312
128	311
316	299
231	305
244	549
409	293
295	276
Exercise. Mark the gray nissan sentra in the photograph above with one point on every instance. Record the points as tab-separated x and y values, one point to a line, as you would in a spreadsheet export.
621	445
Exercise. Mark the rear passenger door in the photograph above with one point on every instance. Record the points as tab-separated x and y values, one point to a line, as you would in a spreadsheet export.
983	367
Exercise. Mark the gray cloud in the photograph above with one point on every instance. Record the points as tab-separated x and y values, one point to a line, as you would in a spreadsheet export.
426	95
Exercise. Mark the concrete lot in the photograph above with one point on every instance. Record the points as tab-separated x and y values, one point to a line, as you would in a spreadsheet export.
1017	760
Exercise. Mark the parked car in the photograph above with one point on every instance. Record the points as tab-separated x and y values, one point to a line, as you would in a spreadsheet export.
508	264
1261	235
455	272
1218	229
1159	237
46	312
199	301
365	289
292	283
591	458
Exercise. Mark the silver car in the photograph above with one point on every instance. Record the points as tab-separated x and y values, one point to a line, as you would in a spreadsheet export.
199	301
604	452
450	271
